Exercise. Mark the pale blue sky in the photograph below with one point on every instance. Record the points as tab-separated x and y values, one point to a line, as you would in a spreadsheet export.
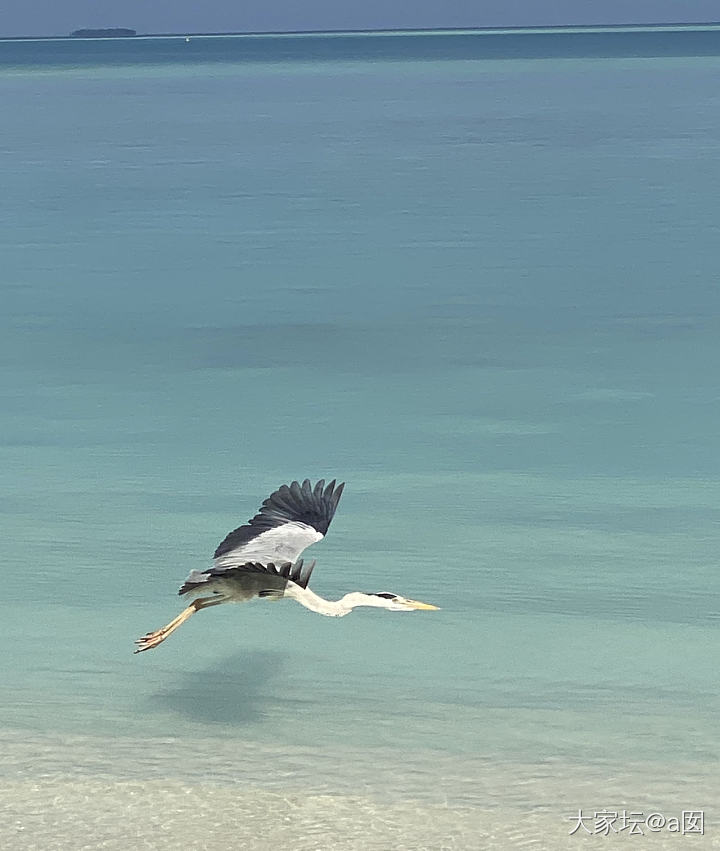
58	17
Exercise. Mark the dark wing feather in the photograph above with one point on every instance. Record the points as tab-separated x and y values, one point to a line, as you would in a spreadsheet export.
294	503
299	573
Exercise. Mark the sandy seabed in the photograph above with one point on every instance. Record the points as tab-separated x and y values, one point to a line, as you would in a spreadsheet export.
73	793
173	815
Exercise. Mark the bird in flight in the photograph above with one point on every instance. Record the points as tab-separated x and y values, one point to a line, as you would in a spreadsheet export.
261	559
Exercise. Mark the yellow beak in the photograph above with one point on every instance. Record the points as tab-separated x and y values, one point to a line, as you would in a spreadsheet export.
414	604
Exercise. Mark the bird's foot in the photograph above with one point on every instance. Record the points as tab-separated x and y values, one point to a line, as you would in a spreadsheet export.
150	640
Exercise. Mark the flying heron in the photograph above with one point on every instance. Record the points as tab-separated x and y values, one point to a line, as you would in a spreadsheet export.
260	559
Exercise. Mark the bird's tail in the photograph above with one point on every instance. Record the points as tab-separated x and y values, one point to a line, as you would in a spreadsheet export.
194	581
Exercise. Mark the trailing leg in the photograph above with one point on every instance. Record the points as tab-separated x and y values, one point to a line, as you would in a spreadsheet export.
152	639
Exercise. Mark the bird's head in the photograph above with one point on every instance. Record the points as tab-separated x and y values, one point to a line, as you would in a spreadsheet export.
386	600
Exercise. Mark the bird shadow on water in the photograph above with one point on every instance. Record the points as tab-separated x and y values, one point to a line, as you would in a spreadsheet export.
235	691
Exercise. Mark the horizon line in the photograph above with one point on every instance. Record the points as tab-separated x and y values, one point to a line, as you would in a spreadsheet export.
399	30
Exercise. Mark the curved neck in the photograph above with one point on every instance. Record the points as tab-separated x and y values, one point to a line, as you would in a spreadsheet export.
309	599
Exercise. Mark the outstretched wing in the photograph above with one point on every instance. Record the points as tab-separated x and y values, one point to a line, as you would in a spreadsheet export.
289	520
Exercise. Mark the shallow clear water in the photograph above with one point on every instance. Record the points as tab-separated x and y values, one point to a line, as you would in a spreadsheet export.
484	293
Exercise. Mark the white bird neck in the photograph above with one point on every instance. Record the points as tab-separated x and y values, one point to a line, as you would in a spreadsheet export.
312	601
334	608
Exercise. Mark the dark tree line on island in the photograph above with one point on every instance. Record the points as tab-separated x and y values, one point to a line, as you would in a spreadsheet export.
114	32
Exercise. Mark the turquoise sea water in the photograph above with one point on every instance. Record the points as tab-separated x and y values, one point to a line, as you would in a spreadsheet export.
475	276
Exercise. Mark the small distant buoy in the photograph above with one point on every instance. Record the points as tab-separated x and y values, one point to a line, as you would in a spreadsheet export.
187	39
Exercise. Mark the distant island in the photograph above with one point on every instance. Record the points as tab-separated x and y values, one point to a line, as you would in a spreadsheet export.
114	32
